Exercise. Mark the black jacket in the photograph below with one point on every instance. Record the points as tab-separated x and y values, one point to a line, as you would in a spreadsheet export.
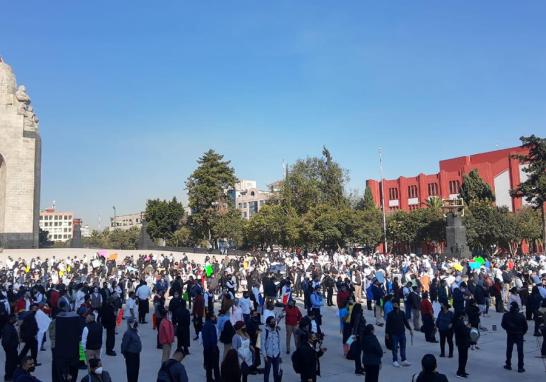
108	318
514	323
372	351
94	336
29	327
310	361
462	333
396	320
10	339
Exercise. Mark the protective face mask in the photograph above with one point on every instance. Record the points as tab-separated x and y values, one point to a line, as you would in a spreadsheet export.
98	370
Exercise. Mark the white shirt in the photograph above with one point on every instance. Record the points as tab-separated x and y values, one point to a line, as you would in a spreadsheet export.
131	304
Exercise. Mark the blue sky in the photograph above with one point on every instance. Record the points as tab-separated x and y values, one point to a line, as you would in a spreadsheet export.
130	93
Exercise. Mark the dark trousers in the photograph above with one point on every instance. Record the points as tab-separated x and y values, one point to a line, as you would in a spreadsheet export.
32	345
132	362
463	358
428	328
211	358
197	325
329	295
275	362
11	362
110	338
318	316
142	310
372	373
510	342
543	349
446	335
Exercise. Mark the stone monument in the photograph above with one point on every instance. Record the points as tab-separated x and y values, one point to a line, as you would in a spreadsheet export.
20	165
456	244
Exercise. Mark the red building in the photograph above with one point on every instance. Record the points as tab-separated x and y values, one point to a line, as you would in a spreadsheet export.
496	168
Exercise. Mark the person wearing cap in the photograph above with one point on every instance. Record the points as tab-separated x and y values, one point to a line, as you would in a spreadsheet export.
515	325
429	373
10	343
131	346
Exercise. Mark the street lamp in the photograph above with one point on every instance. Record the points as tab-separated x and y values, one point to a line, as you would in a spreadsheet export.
383	200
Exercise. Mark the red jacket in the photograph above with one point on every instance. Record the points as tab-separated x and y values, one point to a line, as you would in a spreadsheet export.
198	309
426	307
166	332
342	297
293	315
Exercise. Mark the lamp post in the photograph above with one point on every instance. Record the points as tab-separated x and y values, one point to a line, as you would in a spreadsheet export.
383	201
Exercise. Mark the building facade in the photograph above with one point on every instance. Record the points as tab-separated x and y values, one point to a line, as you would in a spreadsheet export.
59	225
20	165
126	222
247	198
497	168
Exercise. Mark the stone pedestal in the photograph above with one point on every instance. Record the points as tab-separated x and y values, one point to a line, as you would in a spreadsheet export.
20	165
456	244
145	241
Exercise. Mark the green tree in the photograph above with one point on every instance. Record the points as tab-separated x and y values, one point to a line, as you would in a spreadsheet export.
123	239
533	189
367	227
367	202
314	181
434	202
475	189
207	192
228	225
402	229
529	226
266	227
181	237
484	226
43	239
163	218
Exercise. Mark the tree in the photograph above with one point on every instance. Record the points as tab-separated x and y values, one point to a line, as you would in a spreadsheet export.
367	227
207	193
180	237
484	226
475	189
266	227
367	202
434	202
533	189
314	181
228	225
163	218
123	239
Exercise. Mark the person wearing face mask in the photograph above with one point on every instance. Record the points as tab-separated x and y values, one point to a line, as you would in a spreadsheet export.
272	350
96	372
241	343
24	372
131	346
395	331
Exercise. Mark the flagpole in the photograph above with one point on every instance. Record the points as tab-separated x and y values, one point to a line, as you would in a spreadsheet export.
383	201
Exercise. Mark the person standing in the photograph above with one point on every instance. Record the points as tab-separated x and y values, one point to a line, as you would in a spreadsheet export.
10	343
515	325
109	323
131	306
395	331
316	304
462	340
272	349
444	323
293	317
378	294
211	353
309	358
198	311
231	371
166	334
143	293
371	354
172	370
28	333
92	337
427	314
24	372
131	346
183	321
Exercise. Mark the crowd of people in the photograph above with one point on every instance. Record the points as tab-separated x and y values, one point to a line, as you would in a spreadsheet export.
236	308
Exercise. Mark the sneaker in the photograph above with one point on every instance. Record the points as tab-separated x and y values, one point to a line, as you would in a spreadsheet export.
395	364
461	375
522	370
508	367
406	363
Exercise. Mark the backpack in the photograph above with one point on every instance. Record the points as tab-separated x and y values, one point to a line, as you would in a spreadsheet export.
165	374
297	361
227	333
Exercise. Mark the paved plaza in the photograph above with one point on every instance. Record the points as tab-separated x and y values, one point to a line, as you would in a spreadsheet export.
484	365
